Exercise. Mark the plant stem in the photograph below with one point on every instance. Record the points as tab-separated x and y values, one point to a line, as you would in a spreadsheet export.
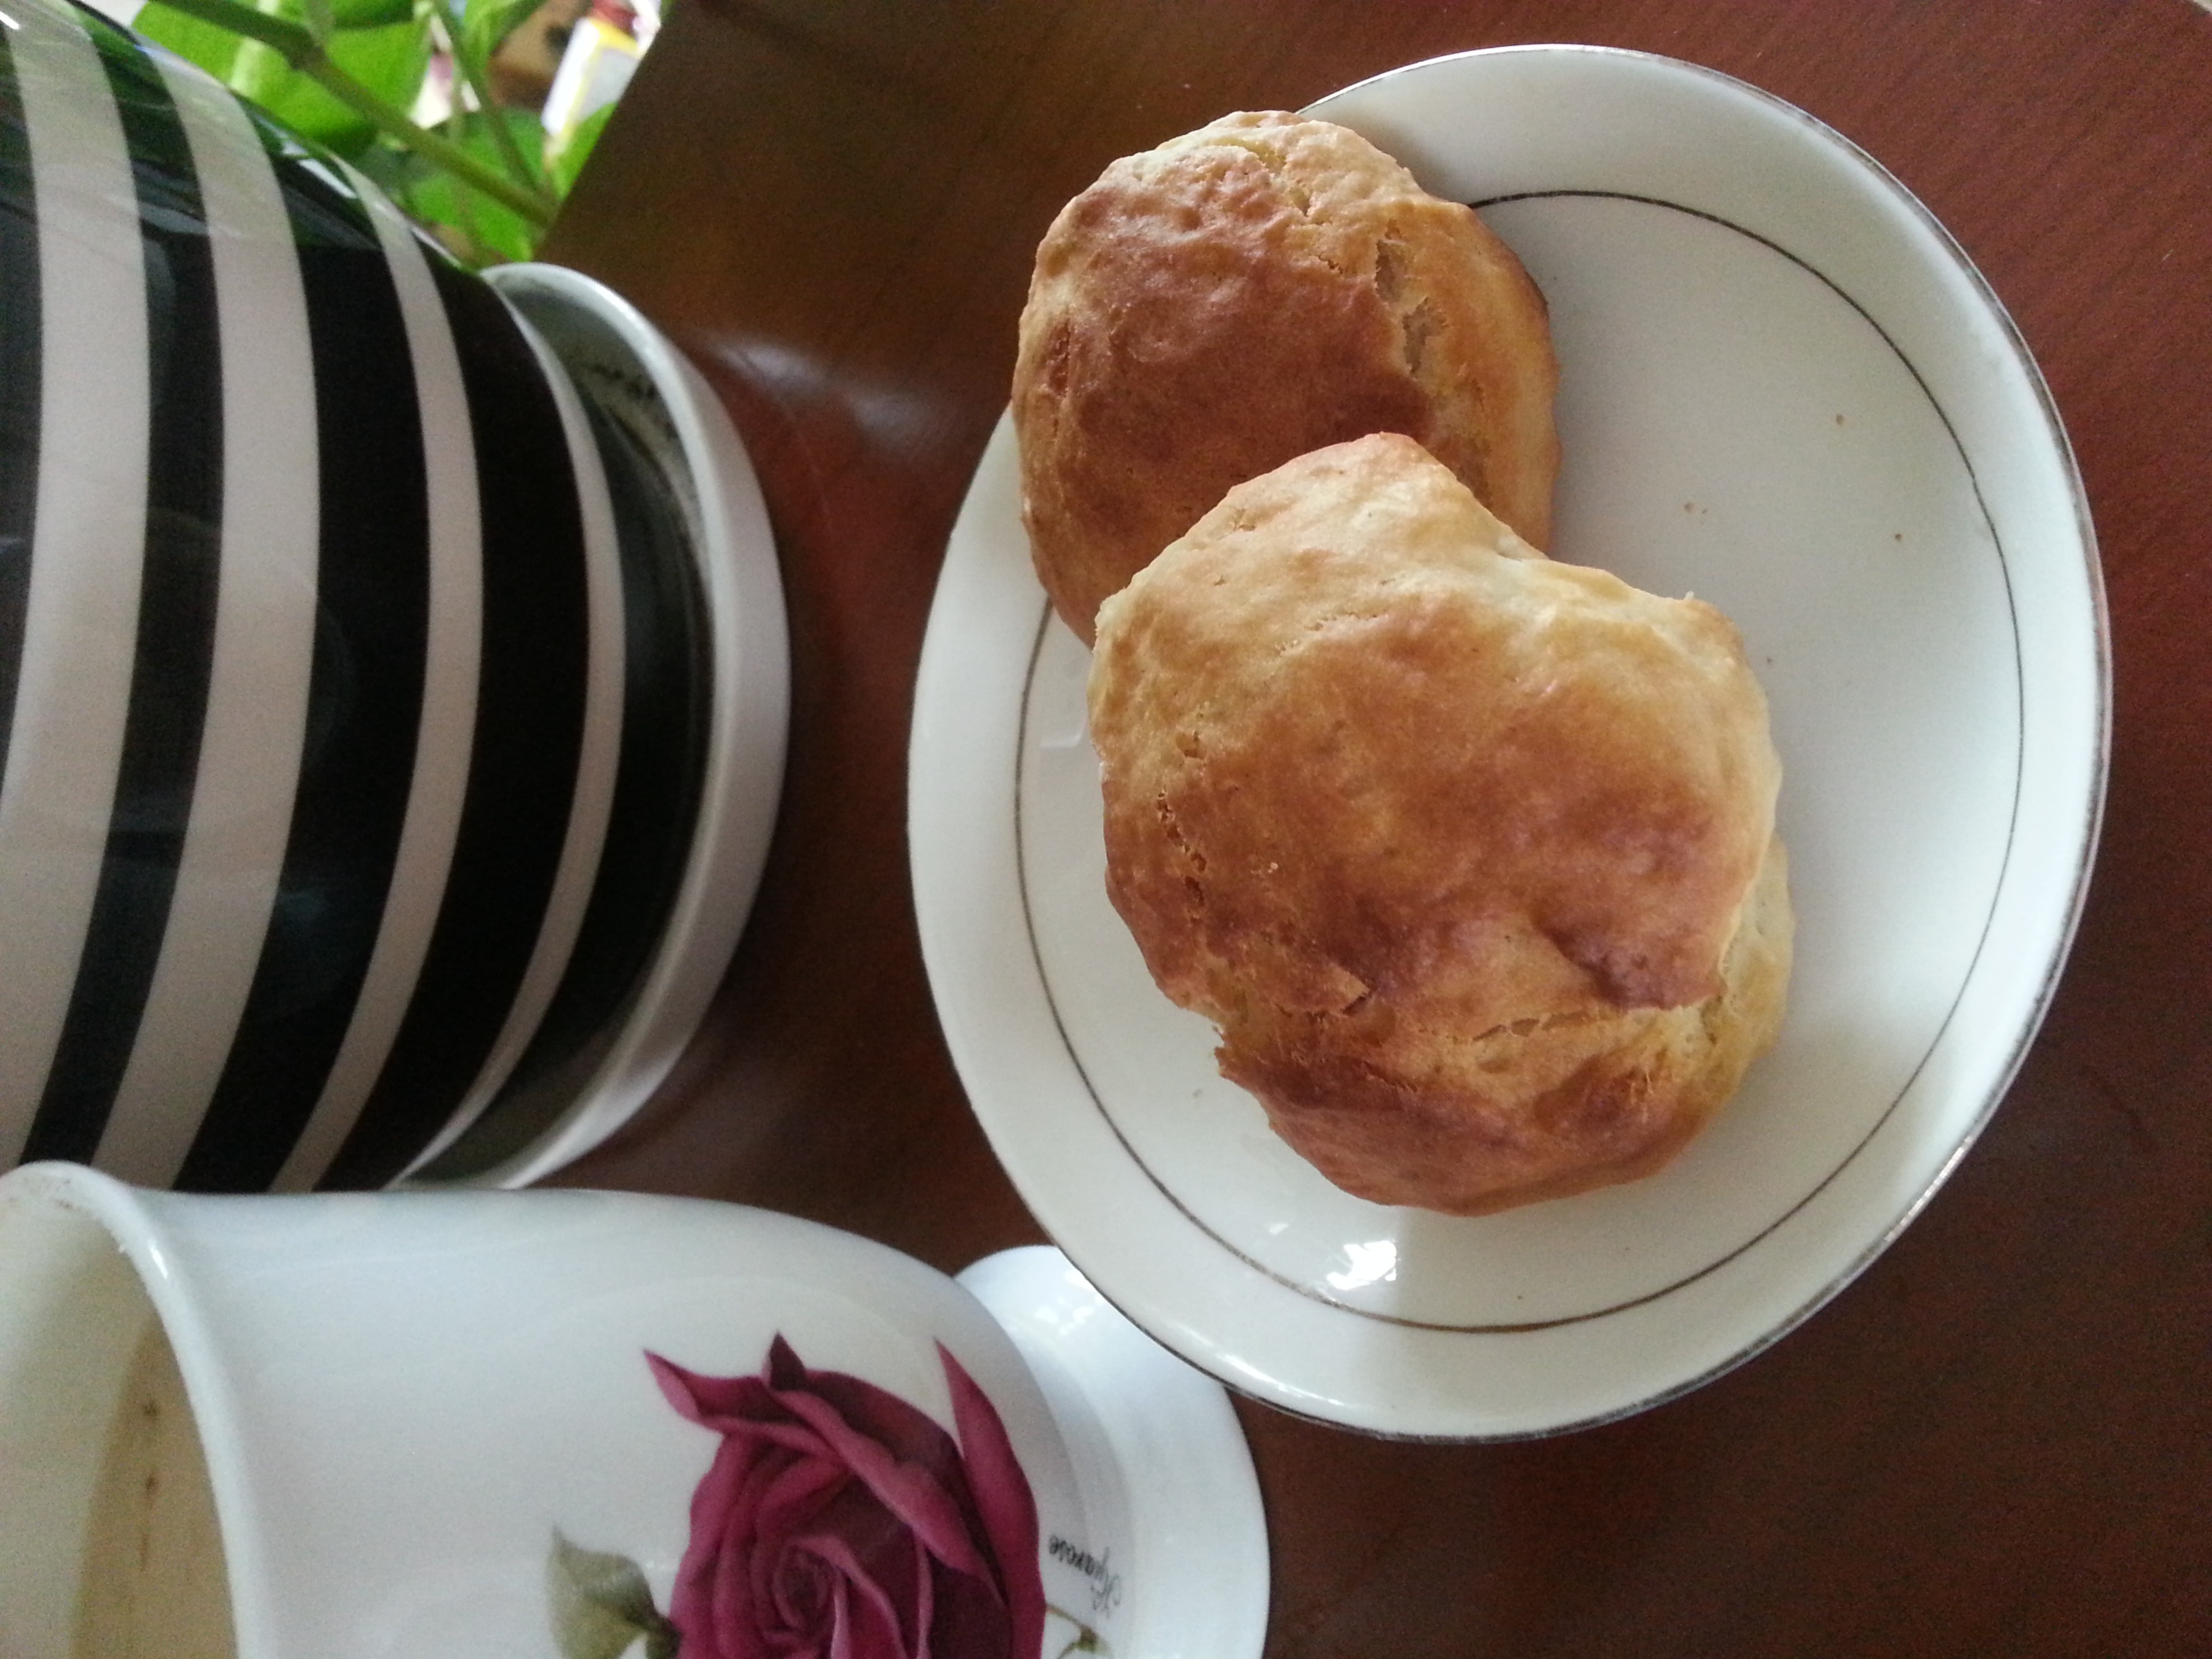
472	68
532	204
300	48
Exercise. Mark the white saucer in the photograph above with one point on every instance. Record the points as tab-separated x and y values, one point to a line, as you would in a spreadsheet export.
1159	1459
1786	390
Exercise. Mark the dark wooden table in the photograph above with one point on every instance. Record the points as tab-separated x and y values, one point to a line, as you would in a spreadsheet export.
1998	1442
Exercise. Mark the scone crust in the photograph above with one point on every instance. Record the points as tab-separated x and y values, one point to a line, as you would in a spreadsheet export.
1263	287
1469	853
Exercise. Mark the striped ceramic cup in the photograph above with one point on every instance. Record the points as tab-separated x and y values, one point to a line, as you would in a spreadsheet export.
367	681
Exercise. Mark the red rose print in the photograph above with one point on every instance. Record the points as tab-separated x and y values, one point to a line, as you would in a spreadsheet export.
837	1522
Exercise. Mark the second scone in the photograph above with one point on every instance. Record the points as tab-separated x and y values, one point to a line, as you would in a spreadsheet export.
1245	293
1469	854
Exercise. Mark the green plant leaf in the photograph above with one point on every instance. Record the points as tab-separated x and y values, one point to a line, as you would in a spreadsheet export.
388	51
374	14
376	52
602	1605
388	61
565	158
213	48
524	128
477	229
391	165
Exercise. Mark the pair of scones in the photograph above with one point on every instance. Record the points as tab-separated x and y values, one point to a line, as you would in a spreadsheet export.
1468	854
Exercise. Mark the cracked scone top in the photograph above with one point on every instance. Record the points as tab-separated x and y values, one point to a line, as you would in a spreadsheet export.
1244	294
1468	854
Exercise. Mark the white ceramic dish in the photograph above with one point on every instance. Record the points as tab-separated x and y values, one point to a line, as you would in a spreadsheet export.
1785	389
509	1425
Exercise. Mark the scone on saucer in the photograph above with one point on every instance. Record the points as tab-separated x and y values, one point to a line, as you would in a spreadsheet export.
1244	294
1468	854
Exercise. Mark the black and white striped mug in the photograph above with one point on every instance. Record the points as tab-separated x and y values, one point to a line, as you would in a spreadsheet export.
392	673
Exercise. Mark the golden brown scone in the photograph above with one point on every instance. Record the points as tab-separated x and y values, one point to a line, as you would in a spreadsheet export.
1470	854
1245	293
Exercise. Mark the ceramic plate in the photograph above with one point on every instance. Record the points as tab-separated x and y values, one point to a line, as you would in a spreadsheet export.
1785	389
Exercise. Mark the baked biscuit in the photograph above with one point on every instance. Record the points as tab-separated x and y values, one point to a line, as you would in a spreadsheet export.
1244	294
1469	854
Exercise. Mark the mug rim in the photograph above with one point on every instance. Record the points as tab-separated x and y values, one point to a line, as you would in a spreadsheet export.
51	1192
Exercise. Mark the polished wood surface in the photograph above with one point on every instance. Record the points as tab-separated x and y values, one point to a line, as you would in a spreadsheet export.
1999	1440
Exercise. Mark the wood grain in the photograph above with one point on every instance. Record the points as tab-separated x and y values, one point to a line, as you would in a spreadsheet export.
1999	1441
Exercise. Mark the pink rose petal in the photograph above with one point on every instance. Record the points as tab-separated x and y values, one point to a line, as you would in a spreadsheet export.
1002	1494
837	1522
876	1621
909	1492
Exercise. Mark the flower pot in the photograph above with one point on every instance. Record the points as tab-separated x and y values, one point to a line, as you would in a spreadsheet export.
388	740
